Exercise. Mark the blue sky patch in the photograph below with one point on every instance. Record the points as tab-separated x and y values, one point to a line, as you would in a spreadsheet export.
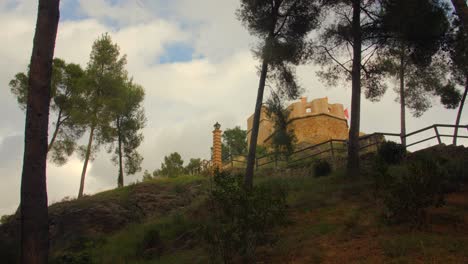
70	10
178	52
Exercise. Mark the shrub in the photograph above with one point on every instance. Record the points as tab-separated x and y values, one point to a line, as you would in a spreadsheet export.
419	186
5	219
151	245
241	220
391	152
321	168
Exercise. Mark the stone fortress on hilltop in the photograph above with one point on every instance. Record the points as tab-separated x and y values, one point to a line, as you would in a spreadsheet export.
312	122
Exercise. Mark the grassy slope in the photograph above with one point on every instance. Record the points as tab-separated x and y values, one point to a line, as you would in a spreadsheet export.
332	220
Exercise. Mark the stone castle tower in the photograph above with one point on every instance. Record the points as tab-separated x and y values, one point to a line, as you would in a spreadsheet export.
313	122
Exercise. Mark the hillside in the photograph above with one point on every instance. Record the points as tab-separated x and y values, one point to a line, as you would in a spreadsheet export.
331	219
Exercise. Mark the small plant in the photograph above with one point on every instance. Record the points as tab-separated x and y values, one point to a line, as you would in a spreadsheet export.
321	168
151	244
391	152
241	219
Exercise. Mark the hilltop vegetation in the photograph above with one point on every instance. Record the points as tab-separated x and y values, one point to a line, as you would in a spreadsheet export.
328	219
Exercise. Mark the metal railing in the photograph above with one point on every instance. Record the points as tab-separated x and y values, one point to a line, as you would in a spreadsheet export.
335	147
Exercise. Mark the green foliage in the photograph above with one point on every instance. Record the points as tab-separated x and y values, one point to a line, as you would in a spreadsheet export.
105	80
261	151
129	120
241	220
151	245
147	176
391	152
322	168
412	55
5	218
66	95
234	142
420	24
193	167
146	242
414	189
283	138
173	165
282	27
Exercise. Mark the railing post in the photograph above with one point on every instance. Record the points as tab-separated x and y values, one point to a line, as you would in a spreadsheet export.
437	134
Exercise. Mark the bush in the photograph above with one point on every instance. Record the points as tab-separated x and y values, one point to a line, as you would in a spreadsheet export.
391	152
151	245
417	187
241	220
5	219
321	168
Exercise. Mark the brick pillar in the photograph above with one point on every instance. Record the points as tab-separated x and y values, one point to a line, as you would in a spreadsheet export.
216	159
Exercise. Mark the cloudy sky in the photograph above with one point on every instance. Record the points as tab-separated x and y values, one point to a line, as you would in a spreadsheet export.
192	57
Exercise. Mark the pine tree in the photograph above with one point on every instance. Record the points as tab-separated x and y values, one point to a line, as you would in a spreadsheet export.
282	26
129	119
105	78
65	92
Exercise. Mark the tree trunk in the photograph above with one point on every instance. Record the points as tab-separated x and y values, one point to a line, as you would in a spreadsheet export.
57	127
353	147
460	110
34	215
461	9
120	182
85	165
248	181
402	99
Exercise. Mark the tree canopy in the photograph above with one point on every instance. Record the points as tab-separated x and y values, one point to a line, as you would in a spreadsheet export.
282	27
234	142
66	94
172	166
105	80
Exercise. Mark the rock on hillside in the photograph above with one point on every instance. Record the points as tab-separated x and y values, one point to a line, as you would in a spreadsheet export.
106	212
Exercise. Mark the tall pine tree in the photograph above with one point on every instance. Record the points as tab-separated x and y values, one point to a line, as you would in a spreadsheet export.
105	78
282	26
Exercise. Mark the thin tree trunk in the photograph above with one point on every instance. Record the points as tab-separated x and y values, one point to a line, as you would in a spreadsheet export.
120	182
460	110
248	181
353	148
57	127
85	165
34	215
461	9
402	99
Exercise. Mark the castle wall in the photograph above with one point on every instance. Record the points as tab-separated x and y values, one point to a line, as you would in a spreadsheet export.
313	122
266	127
319	128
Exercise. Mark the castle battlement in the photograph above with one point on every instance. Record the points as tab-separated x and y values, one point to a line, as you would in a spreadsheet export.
312	122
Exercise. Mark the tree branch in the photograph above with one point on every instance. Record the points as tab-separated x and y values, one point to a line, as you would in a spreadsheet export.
336	61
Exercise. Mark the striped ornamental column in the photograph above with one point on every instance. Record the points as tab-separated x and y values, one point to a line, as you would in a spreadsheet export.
216	159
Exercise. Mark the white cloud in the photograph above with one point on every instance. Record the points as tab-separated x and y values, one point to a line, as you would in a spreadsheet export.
120	12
